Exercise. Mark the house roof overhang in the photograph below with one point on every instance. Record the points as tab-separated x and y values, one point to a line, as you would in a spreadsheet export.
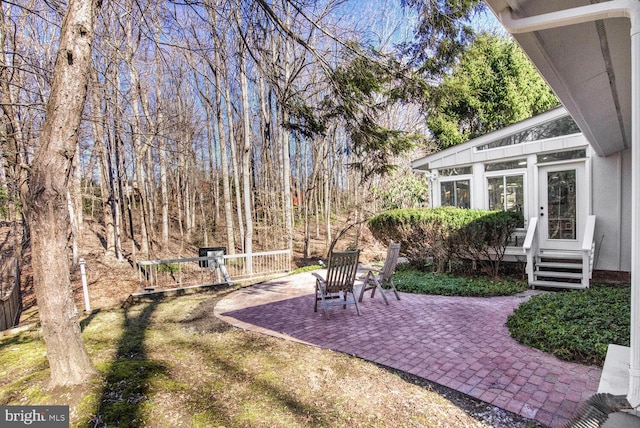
588	65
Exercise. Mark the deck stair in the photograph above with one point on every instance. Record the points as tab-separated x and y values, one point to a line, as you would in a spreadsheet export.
558	269
564	268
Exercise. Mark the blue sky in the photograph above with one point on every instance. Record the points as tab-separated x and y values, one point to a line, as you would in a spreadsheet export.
386	22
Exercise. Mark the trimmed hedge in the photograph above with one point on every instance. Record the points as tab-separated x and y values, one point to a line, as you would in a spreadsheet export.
446	233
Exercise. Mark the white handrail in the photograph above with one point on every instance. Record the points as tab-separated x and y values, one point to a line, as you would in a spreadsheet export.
198	271
529	247
588	250
531	234
589	232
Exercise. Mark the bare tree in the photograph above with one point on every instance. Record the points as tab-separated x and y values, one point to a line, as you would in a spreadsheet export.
45	197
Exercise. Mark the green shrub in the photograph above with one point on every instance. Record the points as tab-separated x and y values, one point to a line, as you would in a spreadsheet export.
414	281
575	325
444	233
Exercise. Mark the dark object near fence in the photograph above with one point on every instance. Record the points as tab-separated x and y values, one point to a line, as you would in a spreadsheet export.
216	252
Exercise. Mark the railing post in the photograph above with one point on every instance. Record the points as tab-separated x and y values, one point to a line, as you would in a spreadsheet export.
587	250
530	248
85	289
585	269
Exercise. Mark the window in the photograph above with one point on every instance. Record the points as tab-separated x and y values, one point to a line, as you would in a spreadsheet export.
455	194
512	164
554	128
560	156
506	193
450	172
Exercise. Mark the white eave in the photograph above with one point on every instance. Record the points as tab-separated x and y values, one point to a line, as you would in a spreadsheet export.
465	153
587	65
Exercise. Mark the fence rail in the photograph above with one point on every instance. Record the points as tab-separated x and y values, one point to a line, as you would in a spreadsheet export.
158	275
10	304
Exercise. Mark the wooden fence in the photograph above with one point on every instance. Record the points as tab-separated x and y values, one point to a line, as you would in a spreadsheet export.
10	304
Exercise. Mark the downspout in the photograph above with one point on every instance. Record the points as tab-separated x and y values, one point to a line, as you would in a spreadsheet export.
609	9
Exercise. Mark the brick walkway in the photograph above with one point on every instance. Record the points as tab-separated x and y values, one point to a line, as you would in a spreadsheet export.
458	342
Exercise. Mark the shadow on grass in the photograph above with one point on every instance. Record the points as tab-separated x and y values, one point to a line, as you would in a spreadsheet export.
124	394
84	323
262	389
125	398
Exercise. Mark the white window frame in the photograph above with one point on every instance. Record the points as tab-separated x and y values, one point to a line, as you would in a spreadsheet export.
453	178
509	173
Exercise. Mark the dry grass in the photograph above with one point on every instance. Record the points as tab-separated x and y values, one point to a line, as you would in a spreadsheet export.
170	363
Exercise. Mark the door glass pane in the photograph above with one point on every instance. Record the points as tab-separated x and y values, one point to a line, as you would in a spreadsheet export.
496	193
463	200
515	193
447	194
561	194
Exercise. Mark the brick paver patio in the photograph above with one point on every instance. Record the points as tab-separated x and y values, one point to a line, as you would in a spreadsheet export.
458	342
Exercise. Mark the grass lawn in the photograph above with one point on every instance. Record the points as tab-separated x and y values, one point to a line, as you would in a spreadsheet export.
170	363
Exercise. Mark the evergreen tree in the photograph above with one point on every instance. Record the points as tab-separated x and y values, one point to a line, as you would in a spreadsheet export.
493	85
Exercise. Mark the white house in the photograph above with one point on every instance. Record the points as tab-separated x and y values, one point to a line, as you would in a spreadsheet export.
576	205
589	53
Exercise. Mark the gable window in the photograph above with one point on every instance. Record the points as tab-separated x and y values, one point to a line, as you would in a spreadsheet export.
455	193
555	128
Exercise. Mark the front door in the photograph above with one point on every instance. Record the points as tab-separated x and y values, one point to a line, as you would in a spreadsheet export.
563	206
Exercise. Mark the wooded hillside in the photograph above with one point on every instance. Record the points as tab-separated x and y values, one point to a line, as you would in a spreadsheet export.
221	122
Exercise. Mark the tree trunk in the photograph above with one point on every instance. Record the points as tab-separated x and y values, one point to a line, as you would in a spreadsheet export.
164	193
106	190
11	138
246	157
236	185
286	181
224	162
45	198
139	146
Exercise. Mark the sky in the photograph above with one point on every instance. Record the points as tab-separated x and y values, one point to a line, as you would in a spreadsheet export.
387	22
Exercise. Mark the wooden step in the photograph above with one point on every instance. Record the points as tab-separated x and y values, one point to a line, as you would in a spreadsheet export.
559	265
560	254
552	274
556	284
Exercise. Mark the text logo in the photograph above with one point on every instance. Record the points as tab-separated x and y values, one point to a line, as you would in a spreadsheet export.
34	416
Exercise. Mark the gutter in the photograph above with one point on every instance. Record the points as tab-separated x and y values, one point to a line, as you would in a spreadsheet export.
609	9
578	15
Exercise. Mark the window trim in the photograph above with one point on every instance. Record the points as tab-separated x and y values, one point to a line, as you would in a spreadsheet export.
509	173
454	178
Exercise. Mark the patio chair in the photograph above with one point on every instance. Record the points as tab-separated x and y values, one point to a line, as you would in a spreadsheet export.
378	279
334	289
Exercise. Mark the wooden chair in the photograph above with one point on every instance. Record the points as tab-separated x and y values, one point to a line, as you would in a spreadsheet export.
338	284
377	279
